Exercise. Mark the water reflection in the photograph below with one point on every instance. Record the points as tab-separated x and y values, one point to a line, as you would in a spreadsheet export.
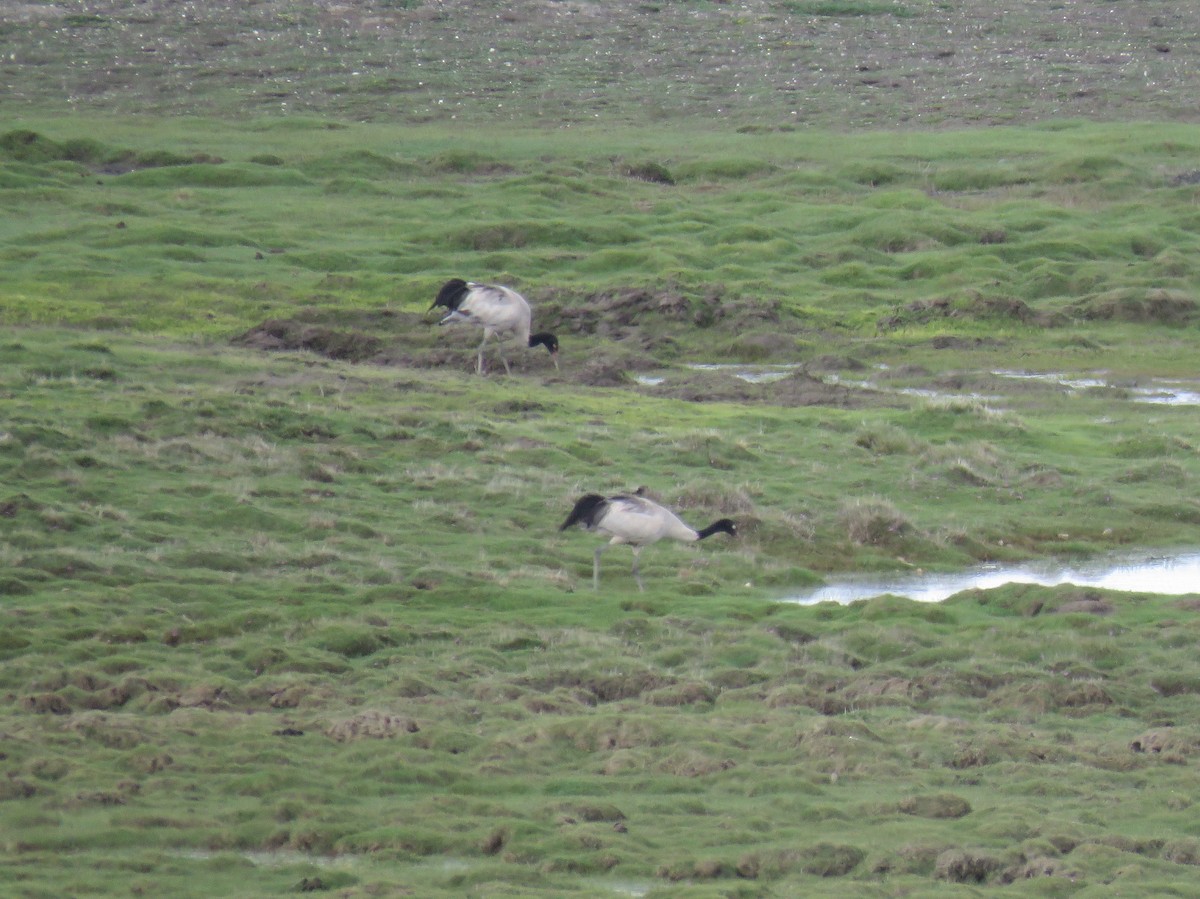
1174	574
755	374
1160	391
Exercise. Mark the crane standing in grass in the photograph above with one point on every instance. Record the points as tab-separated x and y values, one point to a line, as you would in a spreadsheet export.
498	310
637	521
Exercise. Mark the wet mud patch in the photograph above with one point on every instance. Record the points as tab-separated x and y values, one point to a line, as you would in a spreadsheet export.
794	390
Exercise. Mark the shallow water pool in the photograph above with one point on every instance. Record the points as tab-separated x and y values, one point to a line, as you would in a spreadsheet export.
1167	573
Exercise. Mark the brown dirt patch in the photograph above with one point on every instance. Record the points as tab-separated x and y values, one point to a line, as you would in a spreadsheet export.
1087	606
372	724
290	334
1156	306
959	866
43	703
942	805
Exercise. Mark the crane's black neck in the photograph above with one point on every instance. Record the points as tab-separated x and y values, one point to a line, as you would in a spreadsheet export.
725	525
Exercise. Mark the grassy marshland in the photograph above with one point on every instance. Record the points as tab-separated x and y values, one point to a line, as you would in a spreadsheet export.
283	603
280	621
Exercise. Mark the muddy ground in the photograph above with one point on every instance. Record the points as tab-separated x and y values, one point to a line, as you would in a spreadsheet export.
625	332
610	337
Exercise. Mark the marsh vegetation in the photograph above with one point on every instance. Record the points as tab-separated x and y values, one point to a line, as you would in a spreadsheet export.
284	603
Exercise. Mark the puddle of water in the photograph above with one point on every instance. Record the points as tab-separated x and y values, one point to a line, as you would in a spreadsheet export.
273	859
1168	393
1067	381
1172	575
624	887
755	374
1161	392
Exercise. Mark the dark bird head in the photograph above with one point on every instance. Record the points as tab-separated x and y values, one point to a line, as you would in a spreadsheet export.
548	340
586	511
726	525
451	294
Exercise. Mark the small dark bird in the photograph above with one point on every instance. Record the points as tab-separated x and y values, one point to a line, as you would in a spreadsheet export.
637	521
498	310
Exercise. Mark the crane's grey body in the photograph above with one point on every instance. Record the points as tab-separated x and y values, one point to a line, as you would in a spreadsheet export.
500	311
636	521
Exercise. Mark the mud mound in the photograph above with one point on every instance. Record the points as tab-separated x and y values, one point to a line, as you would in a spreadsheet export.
603	373
290	334
802	389
1087	605
623	312
370	725
1158	306
1165	740
973	307
613	314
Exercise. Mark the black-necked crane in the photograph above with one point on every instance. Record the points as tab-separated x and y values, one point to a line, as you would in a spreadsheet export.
500	311
635	520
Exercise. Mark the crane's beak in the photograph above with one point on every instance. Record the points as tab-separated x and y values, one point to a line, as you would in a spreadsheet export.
554	356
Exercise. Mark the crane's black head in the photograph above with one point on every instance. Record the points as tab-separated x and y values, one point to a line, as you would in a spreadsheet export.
587	511
451	294
727	525
546	339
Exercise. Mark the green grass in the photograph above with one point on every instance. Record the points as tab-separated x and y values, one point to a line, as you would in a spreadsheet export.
213	247
292	628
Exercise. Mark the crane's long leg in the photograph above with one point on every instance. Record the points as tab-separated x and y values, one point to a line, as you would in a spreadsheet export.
596	566
637	575
479	361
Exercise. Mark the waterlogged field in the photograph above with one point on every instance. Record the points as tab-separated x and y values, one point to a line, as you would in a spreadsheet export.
284	606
